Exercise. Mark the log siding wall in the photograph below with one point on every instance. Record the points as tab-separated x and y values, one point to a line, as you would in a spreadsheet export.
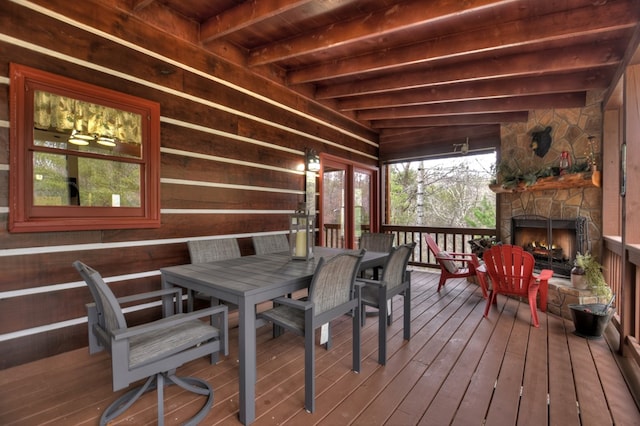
230	144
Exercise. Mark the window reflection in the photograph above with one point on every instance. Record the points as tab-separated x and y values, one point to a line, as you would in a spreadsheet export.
68	180
65	123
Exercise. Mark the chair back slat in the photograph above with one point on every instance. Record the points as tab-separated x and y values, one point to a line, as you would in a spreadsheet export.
202	251
333	281
510	269
110	314
379	242
395	268
265	244
431	243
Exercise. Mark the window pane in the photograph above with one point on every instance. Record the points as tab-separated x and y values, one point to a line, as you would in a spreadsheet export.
362	204
66	123
68	180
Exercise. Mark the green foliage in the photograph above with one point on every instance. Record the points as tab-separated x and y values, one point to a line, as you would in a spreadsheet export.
442	193
482	215
593	274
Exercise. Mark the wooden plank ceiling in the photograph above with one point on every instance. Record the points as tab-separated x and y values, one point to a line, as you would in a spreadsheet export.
424	74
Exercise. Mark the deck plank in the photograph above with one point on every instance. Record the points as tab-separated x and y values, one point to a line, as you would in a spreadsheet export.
445	374
562	394
533	403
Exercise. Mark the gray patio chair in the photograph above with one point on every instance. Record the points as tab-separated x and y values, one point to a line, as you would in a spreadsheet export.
396	279
154	350
265	244
372	241
210	250
333	292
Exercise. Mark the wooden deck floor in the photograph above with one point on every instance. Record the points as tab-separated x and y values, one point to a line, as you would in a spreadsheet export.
458	368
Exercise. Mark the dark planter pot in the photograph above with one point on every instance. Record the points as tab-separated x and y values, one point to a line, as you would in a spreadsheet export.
589	320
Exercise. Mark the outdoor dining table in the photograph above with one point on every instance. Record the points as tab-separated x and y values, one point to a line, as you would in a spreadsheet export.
246	282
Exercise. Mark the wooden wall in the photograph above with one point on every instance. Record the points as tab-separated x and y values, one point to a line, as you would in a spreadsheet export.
230	145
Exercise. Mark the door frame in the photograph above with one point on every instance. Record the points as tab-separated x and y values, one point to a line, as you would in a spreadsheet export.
350	168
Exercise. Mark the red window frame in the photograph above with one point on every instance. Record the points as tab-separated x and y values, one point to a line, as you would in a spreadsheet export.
24	216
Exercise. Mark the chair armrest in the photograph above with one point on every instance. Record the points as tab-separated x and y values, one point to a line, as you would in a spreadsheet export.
544	275
151	294
456	253
367	281
172	320
302	305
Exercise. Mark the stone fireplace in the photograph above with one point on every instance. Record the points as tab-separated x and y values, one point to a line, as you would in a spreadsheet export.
567	203
552	242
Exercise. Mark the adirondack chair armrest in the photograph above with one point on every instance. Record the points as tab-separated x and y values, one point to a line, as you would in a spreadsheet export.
544	275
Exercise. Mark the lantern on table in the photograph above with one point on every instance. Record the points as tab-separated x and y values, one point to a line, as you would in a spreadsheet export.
301	235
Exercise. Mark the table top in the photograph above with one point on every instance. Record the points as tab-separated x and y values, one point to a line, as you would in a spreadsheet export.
251	275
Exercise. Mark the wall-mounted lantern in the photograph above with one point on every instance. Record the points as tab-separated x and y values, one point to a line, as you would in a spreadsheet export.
313	161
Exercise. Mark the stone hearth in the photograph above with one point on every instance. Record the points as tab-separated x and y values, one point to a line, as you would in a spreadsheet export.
562	294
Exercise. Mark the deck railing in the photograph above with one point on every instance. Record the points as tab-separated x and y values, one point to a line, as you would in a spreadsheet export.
622	272
449	239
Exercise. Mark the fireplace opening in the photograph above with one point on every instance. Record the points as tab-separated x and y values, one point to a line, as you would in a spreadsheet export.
552	242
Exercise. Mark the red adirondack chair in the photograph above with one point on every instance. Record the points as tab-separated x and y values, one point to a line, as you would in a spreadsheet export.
456	265
511	271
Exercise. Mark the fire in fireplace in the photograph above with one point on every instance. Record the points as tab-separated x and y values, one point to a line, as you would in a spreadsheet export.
553	242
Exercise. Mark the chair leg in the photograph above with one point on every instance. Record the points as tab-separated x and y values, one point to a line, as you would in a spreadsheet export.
407	313
442	281
382	333
357	357
490	301
482	278
534	307
309	370
543	290
160	393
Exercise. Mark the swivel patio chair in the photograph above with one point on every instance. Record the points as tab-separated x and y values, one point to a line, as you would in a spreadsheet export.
511	271
265	244
380	242
154	350
396	279
456	265
333	292
210	250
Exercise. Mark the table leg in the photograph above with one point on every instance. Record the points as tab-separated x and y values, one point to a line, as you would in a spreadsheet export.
167	303
247	357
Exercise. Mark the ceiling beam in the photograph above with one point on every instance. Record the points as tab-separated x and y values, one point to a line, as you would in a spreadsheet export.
452	120
577	24
439	141
521	103
491	89
372	27
243	16
436	134
583	57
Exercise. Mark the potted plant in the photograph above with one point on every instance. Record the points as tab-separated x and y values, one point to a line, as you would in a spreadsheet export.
591	319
